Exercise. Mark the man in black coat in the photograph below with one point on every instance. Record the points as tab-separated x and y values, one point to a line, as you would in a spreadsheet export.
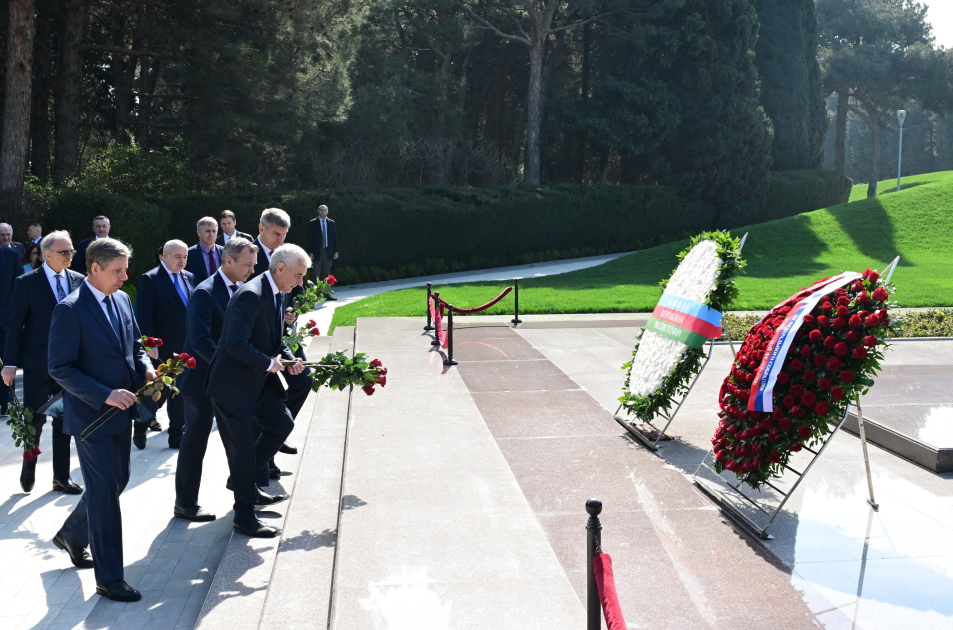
205	257
244	385
228	228
322	243
95	354
161	302
11	268
100	230
206	317
34	296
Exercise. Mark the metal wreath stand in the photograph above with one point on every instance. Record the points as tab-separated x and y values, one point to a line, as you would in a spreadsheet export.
719	496
647	441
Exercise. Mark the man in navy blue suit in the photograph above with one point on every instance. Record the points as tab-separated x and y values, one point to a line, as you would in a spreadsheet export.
243	382
205	257
34	295
11	268
96	356
101	227
206	318
161	302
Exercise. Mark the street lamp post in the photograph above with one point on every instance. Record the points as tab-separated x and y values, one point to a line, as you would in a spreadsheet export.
901	116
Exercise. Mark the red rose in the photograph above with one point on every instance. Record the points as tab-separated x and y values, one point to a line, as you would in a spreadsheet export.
873	320
858	286
820	360
797	390
866	273
766	424
815	335
805	350
803	431
821	408
809	377
824	383
755	431
744	435
732	429
797	448
847	376
773	436
855	321
382	380
823	320
808	399
863	298
796	365
842	299
788	401
746	450
834	364
331	280
315	332
749	377
873	277
158	343
311	324
837	394
376	363
783	377
826	307
839	323
797	412
368	389
774	457
184	358
841	349
777	414
756	463
860	352
808	319
843	311
870	341
851	336
784	423
830	342
880	294
720	433
720	455
191	363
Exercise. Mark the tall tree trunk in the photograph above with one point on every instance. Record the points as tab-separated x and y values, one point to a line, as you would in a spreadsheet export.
68	87
840	133
584	96
533	113
42	88
874	155
16	108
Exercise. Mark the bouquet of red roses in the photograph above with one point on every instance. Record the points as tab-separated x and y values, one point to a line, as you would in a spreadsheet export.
294	339
336	370
21	423
798	367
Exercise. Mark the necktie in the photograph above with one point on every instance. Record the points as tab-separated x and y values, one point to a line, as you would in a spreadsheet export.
324	232
212	265
180	289
279	306
60	293
113	318
232	288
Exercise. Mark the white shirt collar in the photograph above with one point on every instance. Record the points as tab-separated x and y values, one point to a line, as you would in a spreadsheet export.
271	281
228	283
166	268
50	274
99	295
265	249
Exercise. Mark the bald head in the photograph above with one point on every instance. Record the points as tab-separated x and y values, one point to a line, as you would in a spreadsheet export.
174	255
6	234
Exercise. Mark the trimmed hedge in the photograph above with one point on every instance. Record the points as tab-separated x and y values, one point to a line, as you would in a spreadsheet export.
398	233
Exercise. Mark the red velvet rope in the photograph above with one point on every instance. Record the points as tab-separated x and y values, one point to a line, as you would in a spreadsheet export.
436	314
605	581
477	309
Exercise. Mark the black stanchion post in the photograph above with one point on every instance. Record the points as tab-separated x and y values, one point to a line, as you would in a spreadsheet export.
516	295
428	327
593	546
449	360
436	311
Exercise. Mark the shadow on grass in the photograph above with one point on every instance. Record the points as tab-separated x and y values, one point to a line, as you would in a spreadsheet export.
871	228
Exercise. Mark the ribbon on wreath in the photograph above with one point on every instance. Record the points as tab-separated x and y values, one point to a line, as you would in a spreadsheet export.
684	320
762	388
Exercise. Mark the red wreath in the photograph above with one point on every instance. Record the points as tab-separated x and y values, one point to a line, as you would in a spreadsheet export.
833	356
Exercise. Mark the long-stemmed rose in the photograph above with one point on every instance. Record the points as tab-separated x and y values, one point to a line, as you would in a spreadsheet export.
21	423
293	341
833	358
336	370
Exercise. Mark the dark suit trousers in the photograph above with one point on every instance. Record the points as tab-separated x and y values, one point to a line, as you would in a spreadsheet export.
96	521
322	265
5	395
246	454
175	407
37	389
188	472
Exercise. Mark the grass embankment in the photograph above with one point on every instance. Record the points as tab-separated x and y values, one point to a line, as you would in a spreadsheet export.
784	255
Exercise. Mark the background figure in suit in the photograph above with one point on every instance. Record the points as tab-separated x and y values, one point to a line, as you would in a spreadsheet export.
322	243
244	385
34	296
100	230
96	356
161	301
6	240
228	228
34	232
10	269
206	318
205	257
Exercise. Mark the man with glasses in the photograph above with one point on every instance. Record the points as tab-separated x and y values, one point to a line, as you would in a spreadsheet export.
35	293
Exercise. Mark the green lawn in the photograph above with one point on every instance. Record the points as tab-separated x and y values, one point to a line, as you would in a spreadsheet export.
783	256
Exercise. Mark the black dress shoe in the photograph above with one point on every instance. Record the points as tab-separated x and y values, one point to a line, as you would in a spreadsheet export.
174	443
67	487
195	513
139	435
79	556
288	449
28	475
256	529
155	426
118	591
274	473
270	499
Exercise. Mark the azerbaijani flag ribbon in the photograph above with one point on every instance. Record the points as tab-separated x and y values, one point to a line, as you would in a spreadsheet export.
762	388
684	320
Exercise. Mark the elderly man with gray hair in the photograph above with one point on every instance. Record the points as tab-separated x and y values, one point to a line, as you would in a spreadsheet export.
243	382
35	294
205	257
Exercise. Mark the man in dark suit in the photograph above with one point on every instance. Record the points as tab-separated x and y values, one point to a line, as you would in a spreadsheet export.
35	232
11	267
34	296
96	356
6	240
322	243
161	301
205	257
244	385
100	230
228	228
206	318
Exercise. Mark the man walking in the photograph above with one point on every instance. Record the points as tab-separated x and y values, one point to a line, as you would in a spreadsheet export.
205	257
244	386
11	268
161	301
322	243
100	230
95	355
228	228
35	294
206	317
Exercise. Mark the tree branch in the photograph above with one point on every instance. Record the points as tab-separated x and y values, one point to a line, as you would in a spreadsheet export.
124	51
496	31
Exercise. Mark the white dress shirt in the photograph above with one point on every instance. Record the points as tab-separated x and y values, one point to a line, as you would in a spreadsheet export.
229	283
267	252
100	296
51	277
275	292
225	237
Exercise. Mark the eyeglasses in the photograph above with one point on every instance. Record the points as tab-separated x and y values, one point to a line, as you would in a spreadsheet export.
69	253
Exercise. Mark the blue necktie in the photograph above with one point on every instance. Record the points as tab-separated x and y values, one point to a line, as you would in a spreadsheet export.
114	319
60	293
324	232
281	315
180	289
